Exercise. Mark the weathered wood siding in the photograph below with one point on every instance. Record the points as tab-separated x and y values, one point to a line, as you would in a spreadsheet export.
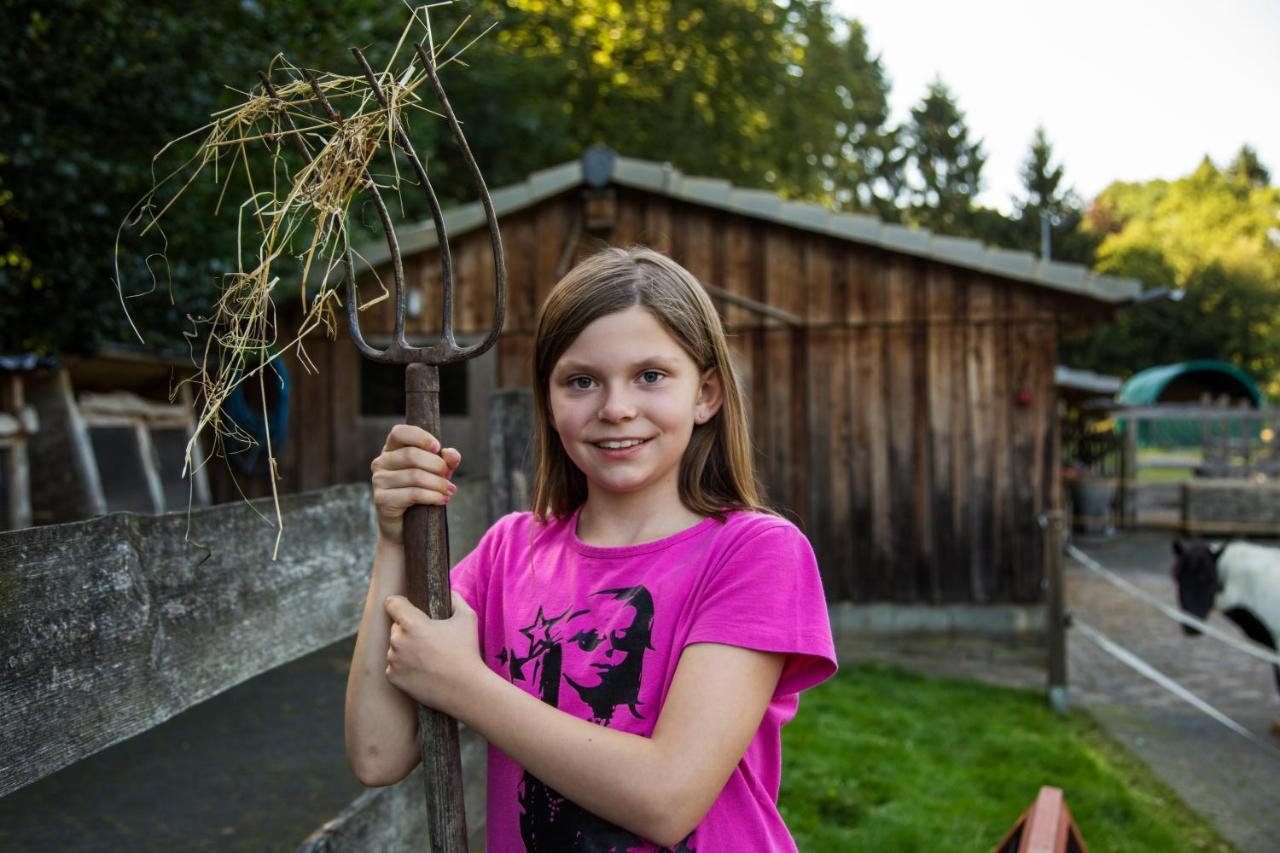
889	423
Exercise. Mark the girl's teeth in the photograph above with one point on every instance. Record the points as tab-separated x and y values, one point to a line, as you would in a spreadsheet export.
618	445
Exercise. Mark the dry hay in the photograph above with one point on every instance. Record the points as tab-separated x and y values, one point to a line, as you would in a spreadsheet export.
238	341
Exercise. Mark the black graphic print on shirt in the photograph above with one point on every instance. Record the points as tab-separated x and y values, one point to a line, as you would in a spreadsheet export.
607	667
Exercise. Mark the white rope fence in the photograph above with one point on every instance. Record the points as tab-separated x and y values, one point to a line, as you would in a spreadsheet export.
1256	650
1146	670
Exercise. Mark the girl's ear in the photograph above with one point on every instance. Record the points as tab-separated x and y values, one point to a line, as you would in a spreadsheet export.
710	396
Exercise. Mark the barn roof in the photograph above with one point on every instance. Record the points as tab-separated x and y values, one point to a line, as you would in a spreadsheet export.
664	179
1086	381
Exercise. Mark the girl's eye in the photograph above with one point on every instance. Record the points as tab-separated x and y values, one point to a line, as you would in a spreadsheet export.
582	383
651	376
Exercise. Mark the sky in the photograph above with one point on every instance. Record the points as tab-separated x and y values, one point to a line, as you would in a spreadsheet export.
1126	90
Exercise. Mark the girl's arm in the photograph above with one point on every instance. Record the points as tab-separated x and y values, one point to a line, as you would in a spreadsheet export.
658	787
381	721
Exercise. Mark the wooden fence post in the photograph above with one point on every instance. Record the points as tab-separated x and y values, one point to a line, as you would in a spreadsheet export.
68	488
1055	602
510	451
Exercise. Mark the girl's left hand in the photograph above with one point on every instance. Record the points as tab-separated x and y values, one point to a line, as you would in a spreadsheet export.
433	660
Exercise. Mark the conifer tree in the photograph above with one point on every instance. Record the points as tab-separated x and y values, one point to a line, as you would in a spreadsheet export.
1046	197
1247	169
944	164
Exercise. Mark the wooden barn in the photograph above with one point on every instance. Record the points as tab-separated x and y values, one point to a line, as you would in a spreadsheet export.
901	383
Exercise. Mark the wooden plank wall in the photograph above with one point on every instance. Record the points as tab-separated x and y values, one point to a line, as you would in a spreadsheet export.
888	425
892	431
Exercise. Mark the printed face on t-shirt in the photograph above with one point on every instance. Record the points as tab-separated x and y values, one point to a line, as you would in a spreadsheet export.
595	653
604	651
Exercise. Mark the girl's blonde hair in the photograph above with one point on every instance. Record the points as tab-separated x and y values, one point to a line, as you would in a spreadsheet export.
716	472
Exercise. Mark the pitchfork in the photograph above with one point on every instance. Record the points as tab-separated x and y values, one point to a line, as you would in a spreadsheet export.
426	542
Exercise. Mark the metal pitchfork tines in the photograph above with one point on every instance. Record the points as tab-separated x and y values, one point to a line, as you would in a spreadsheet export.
425	530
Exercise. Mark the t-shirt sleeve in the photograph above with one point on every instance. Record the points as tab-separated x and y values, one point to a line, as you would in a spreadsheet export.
766	594
470	575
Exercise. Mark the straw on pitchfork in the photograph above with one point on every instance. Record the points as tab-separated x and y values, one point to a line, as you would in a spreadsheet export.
239	340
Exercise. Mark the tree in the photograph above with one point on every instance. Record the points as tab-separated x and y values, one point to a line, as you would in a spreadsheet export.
868	169
1247	169
765	93
945	166
1045	197
1208	235
101	87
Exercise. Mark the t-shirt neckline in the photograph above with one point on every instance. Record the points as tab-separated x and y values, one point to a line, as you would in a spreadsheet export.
632	550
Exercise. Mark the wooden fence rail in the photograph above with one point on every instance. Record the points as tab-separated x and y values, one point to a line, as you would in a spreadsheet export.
111	626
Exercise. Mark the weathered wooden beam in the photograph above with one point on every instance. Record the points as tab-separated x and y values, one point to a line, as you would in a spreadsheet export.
754	305
18	422
112	626
510	450
68	487
127	407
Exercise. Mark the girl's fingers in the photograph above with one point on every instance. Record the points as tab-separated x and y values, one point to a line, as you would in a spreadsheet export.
452	458
404	435
394	502
409	458
411	478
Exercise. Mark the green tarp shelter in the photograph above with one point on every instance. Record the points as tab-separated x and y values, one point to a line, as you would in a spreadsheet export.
1185	382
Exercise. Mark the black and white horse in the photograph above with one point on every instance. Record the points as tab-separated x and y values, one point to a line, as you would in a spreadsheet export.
1242	580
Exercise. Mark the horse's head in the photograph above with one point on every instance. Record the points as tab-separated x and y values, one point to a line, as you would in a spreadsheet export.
1195	571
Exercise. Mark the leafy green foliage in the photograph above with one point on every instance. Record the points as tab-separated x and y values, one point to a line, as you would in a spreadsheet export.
769	94
101	88
1211	234
881	759
778	95
1247	169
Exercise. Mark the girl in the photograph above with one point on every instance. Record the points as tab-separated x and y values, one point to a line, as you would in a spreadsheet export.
632	647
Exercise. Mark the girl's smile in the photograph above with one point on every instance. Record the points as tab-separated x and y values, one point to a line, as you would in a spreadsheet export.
621	449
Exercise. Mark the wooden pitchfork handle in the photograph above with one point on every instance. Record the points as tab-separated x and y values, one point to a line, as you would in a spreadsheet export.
426	553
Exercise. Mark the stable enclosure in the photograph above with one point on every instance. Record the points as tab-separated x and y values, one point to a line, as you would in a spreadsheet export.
901	384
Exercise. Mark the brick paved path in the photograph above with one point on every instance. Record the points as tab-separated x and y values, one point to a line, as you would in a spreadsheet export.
1231	781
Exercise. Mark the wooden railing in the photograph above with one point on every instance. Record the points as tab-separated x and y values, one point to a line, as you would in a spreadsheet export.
111	626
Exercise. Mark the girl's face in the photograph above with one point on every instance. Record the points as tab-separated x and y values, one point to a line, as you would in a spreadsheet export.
625	398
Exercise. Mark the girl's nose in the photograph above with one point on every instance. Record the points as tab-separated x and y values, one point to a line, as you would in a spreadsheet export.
616	407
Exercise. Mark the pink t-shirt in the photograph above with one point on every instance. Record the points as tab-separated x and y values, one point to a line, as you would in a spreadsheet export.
597	632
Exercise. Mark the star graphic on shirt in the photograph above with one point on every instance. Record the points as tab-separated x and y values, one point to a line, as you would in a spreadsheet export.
543	624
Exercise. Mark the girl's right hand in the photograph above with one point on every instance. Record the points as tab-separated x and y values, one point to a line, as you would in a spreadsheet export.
411	469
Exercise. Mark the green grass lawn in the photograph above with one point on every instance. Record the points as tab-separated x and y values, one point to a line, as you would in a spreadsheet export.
880	759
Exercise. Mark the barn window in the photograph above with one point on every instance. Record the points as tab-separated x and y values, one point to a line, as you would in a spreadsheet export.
382	389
